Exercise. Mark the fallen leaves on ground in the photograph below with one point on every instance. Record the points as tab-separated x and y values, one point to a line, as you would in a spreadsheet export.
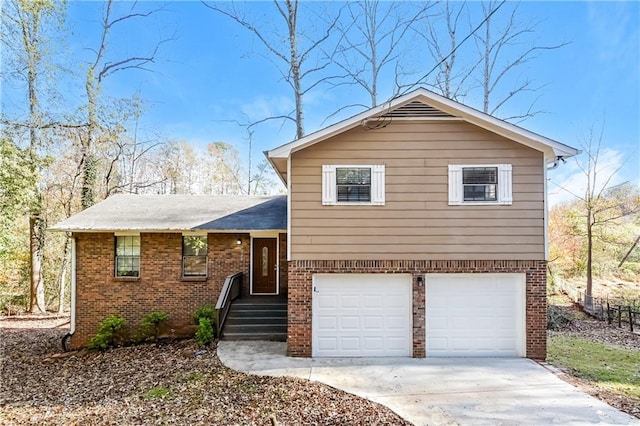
151	384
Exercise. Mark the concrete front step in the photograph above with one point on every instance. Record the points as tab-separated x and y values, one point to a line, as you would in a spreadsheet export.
257	328
257	318
233	320
273	337
257	313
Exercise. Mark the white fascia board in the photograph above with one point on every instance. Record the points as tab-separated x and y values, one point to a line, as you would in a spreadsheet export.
549	147
273	166
125	232
495	125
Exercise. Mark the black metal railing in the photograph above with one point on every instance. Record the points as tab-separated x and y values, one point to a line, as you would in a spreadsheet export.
230	291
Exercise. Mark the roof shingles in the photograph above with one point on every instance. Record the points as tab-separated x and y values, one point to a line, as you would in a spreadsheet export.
128	212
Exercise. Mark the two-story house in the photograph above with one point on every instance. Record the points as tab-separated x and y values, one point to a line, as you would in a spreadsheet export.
416	228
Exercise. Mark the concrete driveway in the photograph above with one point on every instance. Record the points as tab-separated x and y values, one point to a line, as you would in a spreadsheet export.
438	391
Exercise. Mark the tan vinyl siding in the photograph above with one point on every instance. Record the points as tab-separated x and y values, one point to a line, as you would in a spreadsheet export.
416	223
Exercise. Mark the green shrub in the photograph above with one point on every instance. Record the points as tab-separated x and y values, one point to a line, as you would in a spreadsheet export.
150	325
556	319
204	334
206	311
105	338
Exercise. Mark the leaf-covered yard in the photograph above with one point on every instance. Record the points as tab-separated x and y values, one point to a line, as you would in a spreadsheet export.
151	384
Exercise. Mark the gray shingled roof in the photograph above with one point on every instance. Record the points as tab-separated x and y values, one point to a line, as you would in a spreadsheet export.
128	212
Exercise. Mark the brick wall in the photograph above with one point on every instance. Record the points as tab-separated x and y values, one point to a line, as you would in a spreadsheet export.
160	285
301	272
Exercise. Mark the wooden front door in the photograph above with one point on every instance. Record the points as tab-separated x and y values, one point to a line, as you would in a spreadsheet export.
264	266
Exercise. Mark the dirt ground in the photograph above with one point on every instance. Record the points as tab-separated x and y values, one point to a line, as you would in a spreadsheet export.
584	326
174	383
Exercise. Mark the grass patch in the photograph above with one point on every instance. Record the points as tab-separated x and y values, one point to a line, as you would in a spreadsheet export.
157	392
611	368
193	377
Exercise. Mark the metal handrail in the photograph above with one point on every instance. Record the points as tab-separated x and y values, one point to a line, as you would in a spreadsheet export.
230	292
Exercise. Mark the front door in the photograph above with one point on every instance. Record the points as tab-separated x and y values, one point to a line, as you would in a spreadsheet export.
264	266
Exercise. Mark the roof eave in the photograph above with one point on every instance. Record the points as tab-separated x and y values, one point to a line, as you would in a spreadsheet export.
551	148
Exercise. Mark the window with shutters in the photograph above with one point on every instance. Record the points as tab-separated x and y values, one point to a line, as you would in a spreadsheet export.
353	185
480	184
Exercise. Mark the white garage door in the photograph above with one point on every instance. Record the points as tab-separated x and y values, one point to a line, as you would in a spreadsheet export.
475	315
361	315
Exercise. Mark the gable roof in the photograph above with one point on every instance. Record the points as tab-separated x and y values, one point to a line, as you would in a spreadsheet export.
424	104
157	213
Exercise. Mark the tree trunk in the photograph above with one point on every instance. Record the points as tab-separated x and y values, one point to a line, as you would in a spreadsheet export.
292	7
589	290
36	233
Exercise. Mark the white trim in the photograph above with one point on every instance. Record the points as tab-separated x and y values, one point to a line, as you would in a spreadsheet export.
265	235
72	329
504	190
546	213
376	190
197	233
550	147
127	233
289	208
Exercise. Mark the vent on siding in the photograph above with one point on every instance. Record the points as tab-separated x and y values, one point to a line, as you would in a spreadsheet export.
416	109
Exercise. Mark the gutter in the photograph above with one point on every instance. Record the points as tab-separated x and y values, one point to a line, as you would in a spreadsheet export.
72	328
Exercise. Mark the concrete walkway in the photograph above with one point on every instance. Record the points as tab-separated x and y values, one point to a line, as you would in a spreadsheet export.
438	391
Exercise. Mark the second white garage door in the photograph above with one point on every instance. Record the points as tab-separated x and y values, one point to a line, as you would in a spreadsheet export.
359	315
475	315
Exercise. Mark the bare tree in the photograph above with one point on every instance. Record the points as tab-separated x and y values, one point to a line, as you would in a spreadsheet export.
26	25
451	79
372	33
100	68
298	57
492	44
602	203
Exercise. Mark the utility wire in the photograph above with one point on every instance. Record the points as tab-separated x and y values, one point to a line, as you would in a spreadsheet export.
452	51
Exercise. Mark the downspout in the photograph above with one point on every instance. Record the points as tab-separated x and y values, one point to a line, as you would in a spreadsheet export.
72	328
554	164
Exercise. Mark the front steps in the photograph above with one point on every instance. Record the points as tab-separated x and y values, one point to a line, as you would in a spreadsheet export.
257	318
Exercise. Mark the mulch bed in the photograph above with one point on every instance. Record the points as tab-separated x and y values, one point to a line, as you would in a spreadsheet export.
147	384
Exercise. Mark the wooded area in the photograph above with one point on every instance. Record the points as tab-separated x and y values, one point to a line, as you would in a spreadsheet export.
59	157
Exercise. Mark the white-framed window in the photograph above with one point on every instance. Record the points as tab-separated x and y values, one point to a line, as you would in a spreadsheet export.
194	256
480	184
353	184
127	248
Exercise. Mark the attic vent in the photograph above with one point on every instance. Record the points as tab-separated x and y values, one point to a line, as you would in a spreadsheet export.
416	109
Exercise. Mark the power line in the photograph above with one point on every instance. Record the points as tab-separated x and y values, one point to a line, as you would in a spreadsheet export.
454	50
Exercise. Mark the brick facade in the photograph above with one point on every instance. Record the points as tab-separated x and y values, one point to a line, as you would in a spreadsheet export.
300	293
160	285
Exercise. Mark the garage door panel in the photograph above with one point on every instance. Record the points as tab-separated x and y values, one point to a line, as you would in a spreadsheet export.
373	314
483	315
327	323
373	323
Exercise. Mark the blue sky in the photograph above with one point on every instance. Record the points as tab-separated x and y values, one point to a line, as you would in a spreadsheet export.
214	71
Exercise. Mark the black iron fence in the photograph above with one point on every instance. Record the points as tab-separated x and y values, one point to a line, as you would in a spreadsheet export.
620	311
